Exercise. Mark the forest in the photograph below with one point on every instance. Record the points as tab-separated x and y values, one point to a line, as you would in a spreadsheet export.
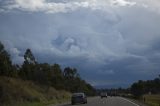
48	75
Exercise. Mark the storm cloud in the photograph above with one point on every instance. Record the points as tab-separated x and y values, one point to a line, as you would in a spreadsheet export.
110	42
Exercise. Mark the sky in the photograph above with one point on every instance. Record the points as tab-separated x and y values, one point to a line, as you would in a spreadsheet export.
112	43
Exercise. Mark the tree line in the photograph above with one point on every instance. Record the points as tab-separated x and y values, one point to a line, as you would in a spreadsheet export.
137	89
144	87
43	73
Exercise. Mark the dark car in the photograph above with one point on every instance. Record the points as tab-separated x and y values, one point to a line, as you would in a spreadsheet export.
103	94
78	98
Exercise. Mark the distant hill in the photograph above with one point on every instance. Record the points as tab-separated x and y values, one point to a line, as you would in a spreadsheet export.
111	86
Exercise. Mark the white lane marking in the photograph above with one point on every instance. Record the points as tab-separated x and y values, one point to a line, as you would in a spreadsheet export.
130	101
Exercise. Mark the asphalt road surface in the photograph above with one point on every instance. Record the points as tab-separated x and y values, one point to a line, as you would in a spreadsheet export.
110	101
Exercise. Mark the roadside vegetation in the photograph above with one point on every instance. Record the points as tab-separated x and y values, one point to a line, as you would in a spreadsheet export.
19	92
147	92
146	87
152	99
38	83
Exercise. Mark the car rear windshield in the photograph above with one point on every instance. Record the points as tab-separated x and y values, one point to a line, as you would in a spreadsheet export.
77	95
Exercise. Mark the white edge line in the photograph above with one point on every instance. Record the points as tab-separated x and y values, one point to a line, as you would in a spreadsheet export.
130	102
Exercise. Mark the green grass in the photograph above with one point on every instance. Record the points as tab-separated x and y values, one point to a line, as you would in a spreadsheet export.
46	103
17	92
152	100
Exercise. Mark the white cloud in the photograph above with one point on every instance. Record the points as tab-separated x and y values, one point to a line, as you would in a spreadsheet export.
122	3
44	6
70	5
15	53
153	5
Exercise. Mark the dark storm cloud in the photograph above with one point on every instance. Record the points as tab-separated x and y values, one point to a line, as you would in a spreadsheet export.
110	42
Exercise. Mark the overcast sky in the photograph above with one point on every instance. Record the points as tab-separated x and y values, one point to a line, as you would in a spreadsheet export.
111	42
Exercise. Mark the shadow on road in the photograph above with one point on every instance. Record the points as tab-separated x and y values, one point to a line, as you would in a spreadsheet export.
65	104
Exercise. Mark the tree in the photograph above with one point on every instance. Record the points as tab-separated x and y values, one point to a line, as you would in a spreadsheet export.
137	89
5	62
29	58
70	73
57	79
142	87
42	74
29	65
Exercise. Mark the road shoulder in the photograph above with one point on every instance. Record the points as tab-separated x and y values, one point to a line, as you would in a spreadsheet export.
136	102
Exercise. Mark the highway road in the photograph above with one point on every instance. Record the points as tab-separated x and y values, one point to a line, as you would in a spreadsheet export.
110	101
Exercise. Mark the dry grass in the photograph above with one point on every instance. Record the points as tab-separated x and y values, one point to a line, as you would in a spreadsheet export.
20	93
152	100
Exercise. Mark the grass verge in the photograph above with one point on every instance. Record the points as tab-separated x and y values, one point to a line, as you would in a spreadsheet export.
152	100
17	92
